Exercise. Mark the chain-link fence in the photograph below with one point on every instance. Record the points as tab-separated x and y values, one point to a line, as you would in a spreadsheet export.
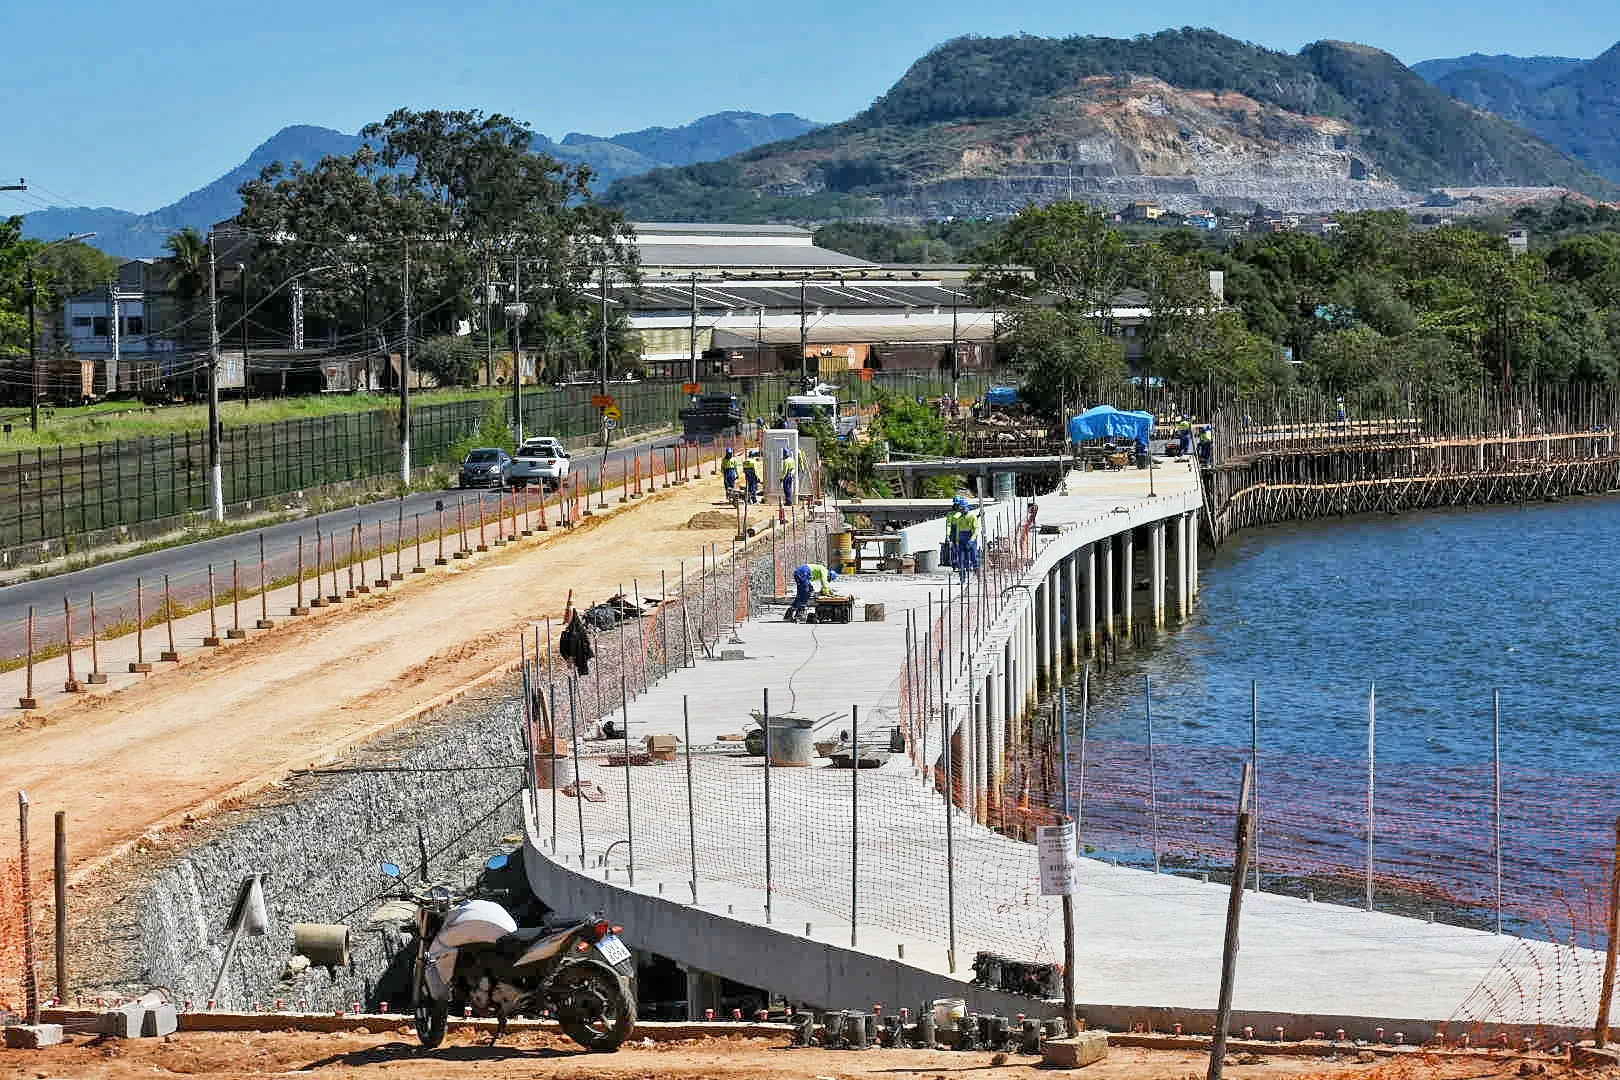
52	493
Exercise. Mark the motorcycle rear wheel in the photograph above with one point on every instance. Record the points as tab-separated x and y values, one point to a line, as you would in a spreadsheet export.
432	1015
593	1008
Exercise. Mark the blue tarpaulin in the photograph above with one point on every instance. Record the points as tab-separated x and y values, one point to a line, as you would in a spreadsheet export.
1001	395
1107	422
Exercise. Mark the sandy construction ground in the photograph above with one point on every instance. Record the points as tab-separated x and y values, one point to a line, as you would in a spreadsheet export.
228	722
394	1055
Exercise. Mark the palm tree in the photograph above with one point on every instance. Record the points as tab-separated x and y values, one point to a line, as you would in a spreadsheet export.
188	274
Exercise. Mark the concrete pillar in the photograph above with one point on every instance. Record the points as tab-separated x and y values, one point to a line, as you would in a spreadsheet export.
1108	556
1056	601
1192	555
1088	611
975	751
997	752
1182	565
1009	667
1039	620
1156	561
1127	573
702	992
993	719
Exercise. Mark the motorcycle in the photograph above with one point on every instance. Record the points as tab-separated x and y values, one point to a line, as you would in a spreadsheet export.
470	953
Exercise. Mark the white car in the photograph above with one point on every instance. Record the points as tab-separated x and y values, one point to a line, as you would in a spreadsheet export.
541	460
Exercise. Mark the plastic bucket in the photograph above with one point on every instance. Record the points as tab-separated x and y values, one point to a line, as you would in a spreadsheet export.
843	552
948	1012
792	740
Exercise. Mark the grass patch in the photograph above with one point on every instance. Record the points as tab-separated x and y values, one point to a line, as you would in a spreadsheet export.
109	420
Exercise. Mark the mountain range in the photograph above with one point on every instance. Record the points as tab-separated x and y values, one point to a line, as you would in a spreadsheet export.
1573	104
1183	118
609	157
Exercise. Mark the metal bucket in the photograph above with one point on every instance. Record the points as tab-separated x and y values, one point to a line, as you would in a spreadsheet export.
792	740
927	560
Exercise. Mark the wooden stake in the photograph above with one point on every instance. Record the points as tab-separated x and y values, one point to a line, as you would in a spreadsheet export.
1601	1036
97	676
1234	909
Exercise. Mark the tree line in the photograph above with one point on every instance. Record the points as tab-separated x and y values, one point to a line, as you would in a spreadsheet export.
1377	307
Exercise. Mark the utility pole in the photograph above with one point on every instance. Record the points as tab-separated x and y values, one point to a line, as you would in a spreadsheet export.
804	339
517	310
956	349
489	331
115	329
405	380
33	349
694	377
216	479
604	389
247	377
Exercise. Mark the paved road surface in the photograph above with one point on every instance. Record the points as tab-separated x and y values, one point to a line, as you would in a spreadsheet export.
113	583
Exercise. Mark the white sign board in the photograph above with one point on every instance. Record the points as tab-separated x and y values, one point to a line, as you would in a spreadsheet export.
1060	872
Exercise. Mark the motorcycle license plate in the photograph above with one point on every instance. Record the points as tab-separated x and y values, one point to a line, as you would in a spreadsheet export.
613	950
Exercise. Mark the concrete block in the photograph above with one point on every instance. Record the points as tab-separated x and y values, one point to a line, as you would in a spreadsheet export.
1591	1057
1076	1051
161	1019
123	1022
33	1036
732	654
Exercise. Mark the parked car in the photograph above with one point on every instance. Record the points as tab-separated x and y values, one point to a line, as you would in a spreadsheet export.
486	466
541	460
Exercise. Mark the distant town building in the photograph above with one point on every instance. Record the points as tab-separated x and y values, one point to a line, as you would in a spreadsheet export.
1518	242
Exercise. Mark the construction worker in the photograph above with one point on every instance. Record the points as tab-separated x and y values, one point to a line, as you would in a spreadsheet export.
789	474
728	471
962	529
811	577
1206	445
750	469
1184	437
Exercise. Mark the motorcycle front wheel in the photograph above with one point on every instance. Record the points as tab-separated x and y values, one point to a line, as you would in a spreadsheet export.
432	1015
592	1006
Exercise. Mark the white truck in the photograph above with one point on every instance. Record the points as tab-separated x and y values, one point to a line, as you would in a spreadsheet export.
821	404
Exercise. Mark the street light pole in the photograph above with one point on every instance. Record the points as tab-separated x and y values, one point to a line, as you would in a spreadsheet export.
405	380
216	479
517	311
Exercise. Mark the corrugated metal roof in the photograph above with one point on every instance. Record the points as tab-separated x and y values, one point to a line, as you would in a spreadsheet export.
751	256
700	228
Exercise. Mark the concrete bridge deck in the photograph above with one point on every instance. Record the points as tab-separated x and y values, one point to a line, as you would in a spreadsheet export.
857	893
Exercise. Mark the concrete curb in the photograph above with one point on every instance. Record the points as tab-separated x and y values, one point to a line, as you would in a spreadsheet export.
656	1030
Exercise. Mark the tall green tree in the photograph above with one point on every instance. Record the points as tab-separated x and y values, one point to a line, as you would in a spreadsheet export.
1066	360
188	277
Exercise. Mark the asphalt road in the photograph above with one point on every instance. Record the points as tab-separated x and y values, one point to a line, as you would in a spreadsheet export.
114	583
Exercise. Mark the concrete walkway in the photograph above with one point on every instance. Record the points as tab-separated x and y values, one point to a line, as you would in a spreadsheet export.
1145	940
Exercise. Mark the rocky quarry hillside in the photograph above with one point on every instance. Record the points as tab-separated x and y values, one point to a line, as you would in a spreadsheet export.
1187	119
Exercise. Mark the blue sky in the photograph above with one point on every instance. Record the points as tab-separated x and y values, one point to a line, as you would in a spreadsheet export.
133	105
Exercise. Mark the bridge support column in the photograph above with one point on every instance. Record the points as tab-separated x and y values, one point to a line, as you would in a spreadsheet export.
1057	600
1037	620
1181	566
996	746
977	717
1156	561
1192	555
702	992
1127	577
1108	546
1071	572
1089	611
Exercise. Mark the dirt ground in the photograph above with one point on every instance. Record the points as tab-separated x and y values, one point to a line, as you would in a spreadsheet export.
209	734
394	1055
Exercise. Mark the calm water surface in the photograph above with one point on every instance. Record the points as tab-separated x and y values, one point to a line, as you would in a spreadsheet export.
1437	609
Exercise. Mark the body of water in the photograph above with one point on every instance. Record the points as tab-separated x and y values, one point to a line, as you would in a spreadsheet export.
1437	609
